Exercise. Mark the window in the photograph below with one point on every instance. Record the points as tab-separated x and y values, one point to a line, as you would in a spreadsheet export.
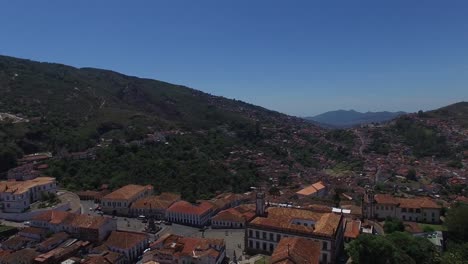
403	210
264	246
305	224
324	258
250	244
418	211
433	214
257	234
325	245
257	245
411	210
271	236
250	233
271	247
278	237
404	217
264	235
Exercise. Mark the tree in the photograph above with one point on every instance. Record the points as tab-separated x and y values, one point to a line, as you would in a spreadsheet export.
411	175
369	249
274	191
456	223
7	160
393	225
456	254
419	249
395	248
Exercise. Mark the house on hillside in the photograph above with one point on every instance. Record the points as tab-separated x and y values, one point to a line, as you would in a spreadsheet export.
317	189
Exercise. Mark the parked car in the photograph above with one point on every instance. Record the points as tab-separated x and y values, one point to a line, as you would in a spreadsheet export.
141	217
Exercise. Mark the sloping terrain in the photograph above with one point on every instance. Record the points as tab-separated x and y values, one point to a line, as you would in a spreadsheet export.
349	118
210	143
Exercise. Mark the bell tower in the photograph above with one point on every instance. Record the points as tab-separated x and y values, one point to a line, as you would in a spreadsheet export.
260	204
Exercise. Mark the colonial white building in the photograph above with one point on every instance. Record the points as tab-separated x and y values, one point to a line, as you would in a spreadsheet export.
381	206
84	227
17	196
266	230
190	214
119	201
130	244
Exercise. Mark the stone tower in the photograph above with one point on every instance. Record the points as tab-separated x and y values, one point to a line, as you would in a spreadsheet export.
260	204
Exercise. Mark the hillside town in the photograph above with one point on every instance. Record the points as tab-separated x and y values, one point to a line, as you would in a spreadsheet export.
310	219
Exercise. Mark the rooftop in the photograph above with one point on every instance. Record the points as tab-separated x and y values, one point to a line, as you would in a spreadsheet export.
76	220
326	224
125	240
417	202
189	208
162	201
309	190
353	229
296	250
127	192
19	187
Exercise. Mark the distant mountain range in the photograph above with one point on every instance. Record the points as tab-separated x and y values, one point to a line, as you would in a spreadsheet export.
349	118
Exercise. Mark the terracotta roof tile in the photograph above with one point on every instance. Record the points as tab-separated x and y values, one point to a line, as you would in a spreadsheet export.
296	250
162	201
188	208
326	224
127	192
353	229
125	240
309	190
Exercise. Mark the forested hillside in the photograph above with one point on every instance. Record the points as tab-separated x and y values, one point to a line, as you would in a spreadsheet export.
209	143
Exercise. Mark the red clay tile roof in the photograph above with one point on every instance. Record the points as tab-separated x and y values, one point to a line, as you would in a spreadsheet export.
125	240
309	190
241	213
188	208
162	201
188	246
326	224
127	192
385	199
417	202
296	250
75	220
353	229
18	187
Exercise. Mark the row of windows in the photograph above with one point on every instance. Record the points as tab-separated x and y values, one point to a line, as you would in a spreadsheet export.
275	238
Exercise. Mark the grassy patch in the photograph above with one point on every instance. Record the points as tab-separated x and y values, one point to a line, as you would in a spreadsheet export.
433	227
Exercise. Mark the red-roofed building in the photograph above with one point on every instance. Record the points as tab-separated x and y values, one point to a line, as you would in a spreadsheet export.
317	189
119	201
296	250
190	214
171	249
85	227
130	244
155	205
352	230
418	209
264	233
234	217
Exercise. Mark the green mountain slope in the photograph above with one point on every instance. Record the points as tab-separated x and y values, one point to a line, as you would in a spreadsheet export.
213	143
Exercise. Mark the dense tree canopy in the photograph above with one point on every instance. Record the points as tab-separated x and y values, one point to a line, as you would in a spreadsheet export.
395	248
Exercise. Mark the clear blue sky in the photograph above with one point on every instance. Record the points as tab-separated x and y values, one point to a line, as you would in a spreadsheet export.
297	57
